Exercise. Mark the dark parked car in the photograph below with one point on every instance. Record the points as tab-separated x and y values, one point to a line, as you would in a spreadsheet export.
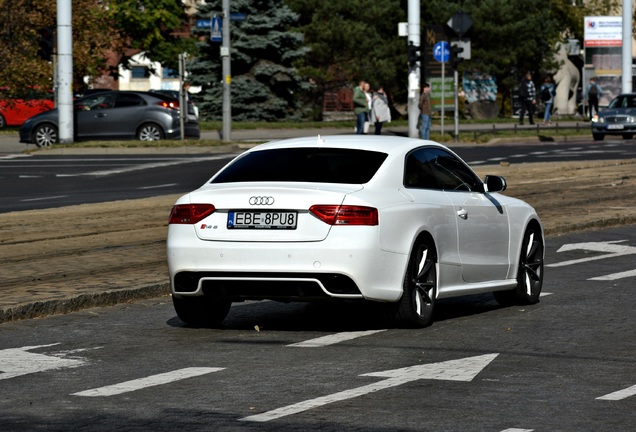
619	118
193	110
145	116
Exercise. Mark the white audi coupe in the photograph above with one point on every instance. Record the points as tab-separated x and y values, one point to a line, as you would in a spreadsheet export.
388	219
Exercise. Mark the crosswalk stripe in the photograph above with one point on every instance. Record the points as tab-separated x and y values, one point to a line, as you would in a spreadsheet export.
333	339
150	381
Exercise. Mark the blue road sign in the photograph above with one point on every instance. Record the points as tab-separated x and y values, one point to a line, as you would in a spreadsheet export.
216	32
441	51
203	23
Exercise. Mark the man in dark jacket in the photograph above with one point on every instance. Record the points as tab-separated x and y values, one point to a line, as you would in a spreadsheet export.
527	98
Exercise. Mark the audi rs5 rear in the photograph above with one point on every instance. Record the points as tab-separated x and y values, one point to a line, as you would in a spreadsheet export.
388	219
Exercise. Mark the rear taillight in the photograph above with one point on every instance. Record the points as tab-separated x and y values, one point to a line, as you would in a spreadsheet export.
345	215
190	213
169	104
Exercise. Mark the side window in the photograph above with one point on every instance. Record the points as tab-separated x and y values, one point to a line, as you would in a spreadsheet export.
452	174
128	100
418	172
97	101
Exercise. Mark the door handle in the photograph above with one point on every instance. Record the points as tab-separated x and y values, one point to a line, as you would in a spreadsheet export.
462	213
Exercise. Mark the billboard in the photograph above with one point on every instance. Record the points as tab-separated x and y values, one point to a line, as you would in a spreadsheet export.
603	54
603	31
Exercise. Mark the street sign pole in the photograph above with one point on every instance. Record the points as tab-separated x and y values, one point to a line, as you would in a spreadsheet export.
456	106
183	99
443	95
441	53
227	75
414	72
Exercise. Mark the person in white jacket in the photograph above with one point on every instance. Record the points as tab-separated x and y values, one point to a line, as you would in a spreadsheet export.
380	111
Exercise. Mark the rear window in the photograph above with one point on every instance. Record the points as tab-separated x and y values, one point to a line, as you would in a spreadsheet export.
315	165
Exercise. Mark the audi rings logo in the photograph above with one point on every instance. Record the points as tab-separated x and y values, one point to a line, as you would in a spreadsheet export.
261	200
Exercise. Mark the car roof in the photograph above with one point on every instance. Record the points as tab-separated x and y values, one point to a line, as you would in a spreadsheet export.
383	143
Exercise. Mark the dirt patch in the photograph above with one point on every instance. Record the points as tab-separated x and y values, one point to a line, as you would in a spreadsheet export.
574	196
114	245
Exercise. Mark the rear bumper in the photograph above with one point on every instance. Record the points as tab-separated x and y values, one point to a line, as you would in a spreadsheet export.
354	267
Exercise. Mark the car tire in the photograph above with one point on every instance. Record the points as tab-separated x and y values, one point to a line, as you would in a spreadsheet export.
45	135
598	136
150	132
3	122
415	307
628	136
529	272
201	311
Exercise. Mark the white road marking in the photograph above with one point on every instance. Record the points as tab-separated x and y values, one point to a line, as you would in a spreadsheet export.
158	186
517	430
611	248
543	294
454	370
19	361
142	167
619	395
44	198
333	339
151	381
615	276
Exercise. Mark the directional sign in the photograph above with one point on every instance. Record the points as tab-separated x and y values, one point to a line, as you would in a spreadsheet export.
216	30
612	249
460	23
204	23
19	361
454	370
238	16
441	52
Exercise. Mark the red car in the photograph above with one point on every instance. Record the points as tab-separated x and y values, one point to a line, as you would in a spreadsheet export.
14	111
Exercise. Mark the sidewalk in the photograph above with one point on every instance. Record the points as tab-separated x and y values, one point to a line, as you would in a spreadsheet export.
107	257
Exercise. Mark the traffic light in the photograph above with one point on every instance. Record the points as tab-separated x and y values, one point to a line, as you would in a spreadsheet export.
456	55
413	55
46	43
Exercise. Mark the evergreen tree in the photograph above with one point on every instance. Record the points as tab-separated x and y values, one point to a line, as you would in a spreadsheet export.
264	84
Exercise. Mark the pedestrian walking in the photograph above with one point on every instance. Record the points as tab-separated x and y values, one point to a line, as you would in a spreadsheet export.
380	112
360	106
527	97
547	92
593	93
425	112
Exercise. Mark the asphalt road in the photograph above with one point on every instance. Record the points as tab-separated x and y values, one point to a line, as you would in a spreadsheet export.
51	181
565	364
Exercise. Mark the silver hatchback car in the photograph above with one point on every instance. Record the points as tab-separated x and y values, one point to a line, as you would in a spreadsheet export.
119	115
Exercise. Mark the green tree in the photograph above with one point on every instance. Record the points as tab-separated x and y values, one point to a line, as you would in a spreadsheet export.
101	28
20	22
264	83
352	40
151	26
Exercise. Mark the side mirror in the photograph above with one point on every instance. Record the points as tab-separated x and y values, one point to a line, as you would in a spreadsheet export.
494	183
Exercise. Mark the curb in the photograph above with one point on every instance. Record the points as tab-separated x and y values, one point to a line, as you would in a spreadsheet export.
82	301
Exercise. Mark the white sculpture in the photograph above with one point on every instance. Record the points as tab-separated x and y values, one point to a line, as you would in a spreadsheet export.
567	81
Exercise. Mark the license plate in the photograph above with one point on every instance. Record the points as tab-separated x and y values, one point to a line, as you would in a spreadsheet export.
262	220
615	126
